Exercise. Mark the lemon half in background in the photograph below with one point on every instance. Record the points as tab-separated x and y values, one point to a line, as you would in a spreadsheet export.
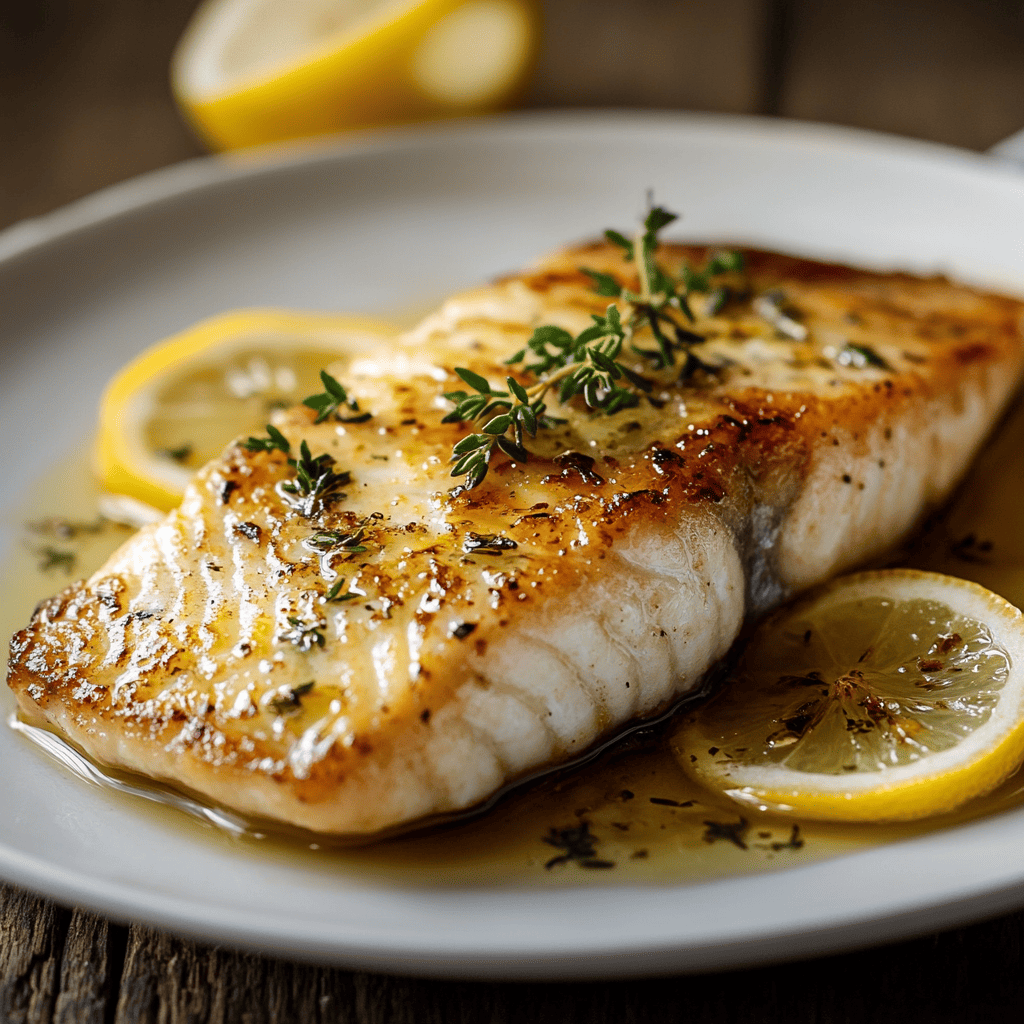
884	696
177	405
248	72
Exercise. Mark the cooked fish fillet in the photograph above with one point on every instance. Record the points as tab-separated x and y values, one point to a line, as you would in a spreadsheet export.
485	634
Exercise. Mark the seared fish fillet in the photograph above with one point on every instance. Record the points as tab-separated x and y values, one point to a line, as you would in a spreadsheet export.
481	635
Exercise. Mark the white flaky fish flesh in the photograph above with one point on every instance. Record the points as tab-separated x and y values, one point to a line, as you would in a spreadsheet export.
406	647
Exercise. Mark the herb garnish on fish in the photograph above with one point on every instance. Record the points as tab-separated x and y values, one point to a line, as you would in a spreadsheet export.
274	441
292	700
331	401
588	365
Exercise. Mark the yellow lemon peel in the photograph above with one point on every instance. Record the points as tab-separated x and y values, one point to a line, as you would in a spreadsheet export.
883	696
178	403
250	72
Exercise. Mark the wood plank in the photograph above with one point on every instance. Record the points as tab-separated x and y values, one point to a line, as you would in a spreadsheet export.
652	53
947	70
968	974
90	970
84	98
33	932
171	980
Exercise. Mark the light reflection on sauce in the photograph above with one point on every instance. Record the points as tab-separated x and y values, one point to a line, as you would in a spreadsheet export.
646	818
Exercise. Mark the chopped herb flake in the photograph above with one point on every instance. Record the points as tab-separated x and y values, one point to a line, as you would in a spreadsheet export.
180	454
861	356
292	700
487	543
55	558
731	832
579	846
305	635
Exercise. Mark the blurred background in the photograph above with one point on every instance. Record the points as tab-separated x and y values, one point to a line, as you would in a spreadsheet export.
85	99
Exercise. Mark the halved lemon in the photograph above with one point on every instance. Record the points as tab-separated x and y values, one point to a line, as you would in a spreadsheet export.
248	72
178	404
883	696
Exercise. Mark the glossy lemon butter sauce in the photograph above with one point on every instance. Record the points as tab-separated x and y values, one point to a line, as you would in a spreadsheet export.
628	815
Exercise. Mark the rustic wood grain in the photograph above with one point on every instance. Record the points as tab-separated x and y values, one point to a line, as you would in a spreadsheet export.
84	99
947	70
31	949
90	970
686	54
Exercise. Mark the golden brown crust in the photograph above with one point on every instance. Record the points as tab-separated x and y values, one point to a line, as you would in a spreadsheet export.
142	679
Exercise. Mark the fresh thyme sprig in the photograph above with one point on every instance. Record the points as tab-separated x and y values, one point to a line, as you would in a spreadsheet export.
660	294
335	540
335	594
274	441
588	365
316	484
331	402
511	410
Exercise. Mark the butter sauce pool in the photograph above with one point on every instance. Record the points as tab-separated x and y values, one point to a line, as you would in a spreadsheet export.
628	815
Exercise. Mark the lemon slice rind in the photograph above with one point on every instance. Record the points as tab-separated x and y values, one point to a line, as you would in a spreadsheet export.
937	782
125	464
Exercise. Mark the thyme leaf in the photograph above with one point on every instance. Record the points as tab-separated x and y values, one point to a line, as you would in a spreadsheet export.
794	842
773	308
972	549
488	543
333	399
292	700
335	594
274	441
332	540
510	412
55	558
305	635
180	454
317	484
860	356
66	529
730	831
579	845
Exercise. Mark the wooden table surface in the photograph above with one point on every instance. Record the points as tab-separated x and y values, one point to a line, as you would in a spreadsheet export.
84	103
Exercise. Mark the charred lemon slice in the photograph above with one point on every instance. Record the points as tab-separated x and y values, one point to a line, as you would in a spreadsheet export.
180	402
883	696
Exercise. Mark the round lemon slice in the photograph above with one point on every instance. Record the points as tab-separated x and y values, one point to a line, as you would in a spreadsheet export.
248	72
178	404
884	696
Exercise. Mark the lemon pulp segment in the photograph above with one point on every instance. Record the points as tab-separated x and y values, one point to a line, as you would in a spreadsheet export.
181	401
885	696
249	72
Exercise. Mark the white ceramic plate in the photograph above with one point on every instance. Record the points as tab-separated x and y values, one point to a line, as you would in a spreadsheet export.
396	220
